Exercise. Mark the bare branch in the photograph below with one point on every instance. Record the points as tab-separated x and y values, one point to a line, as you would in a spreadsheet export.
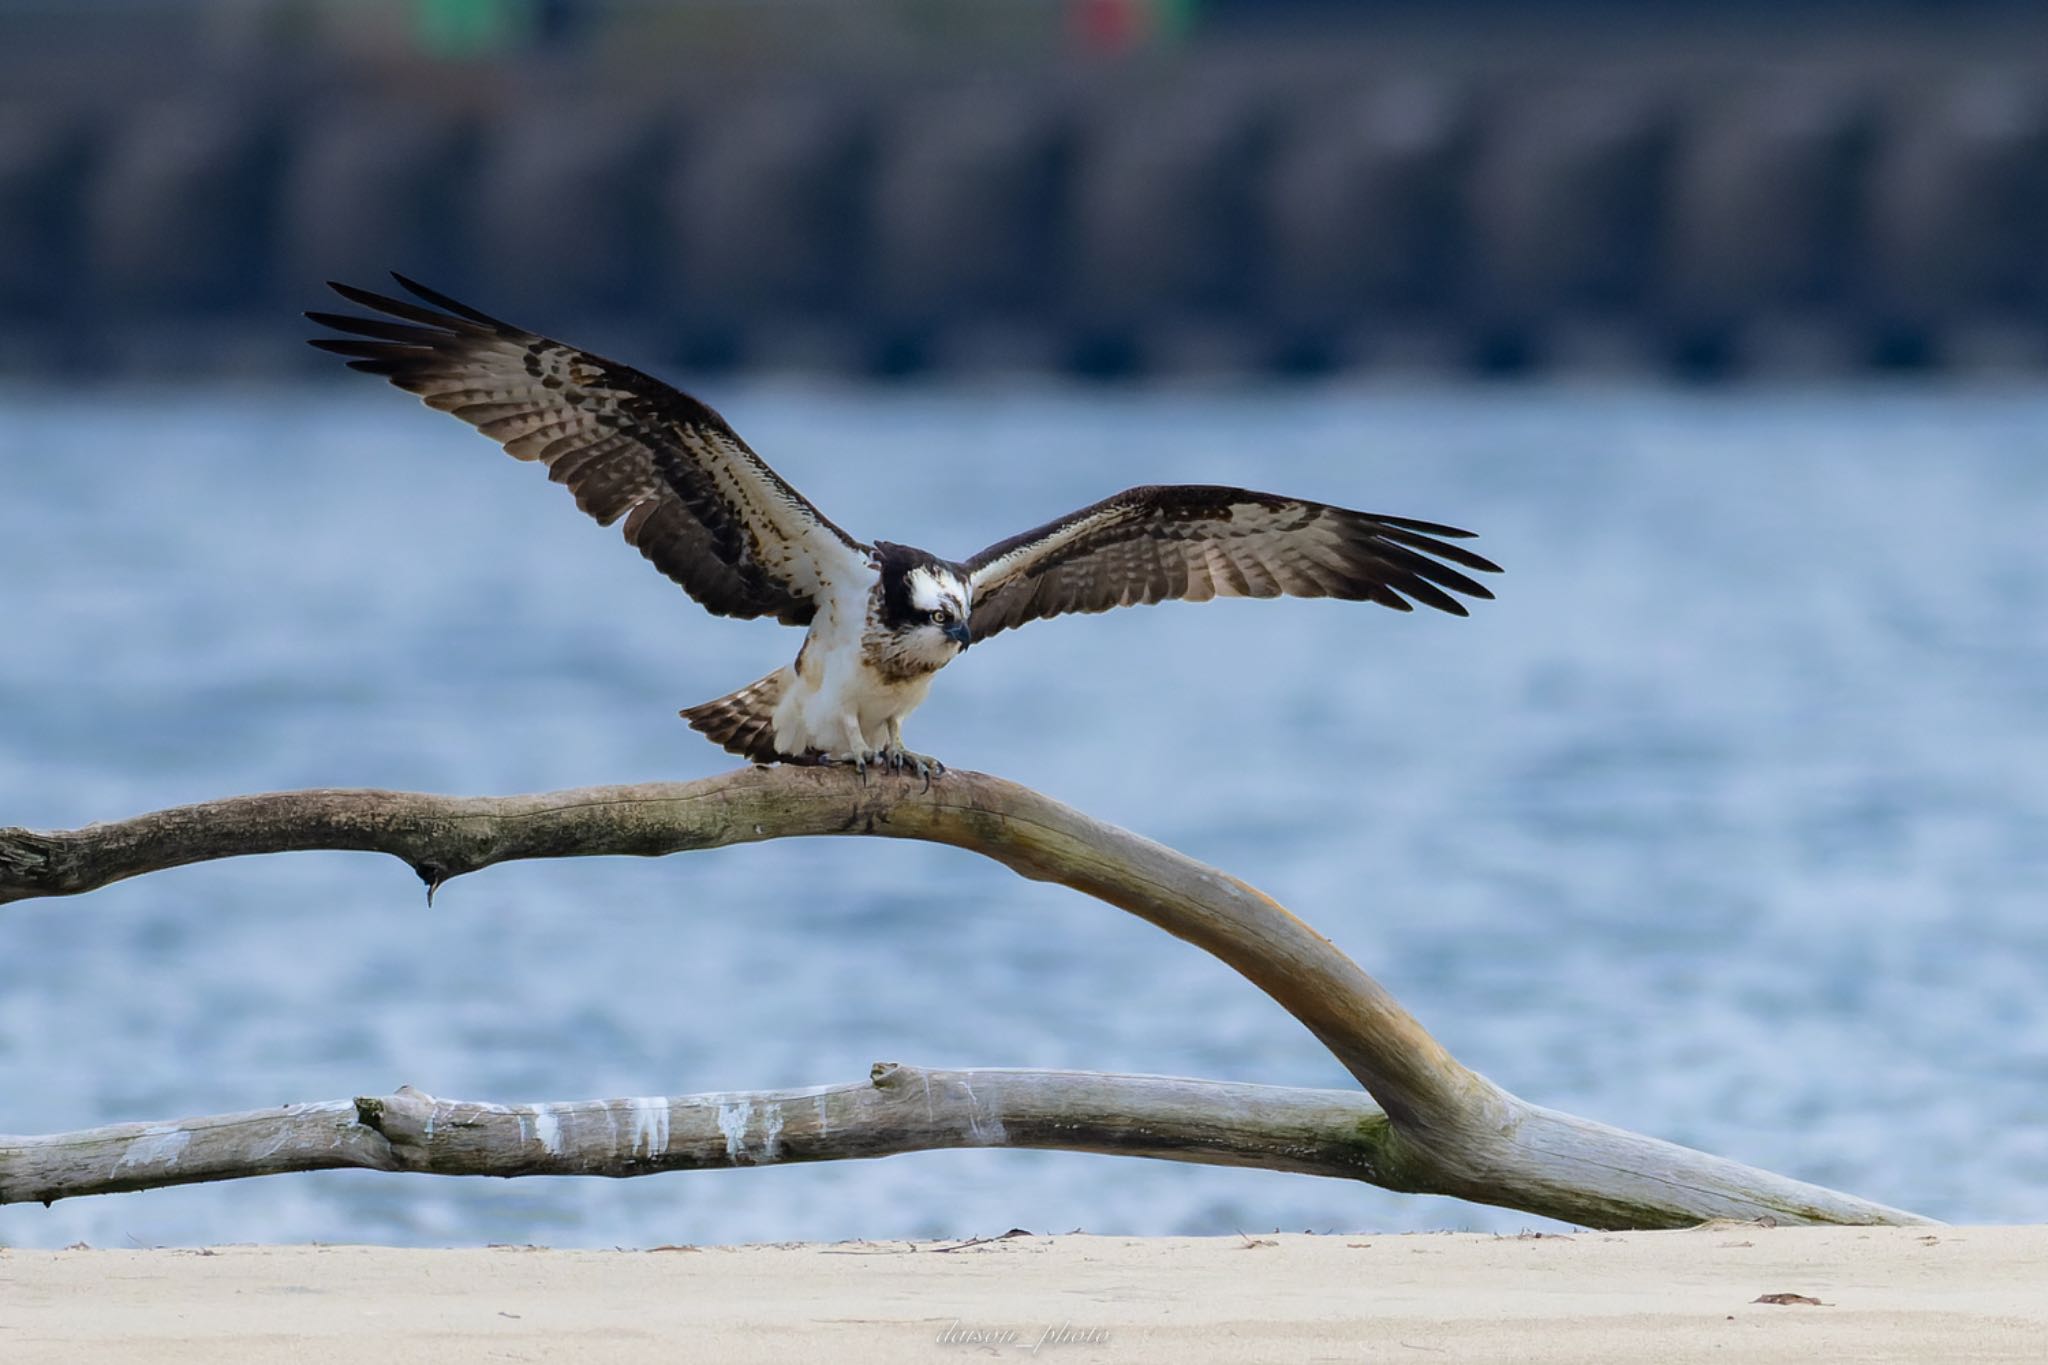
443	837
898	1109
1451	1131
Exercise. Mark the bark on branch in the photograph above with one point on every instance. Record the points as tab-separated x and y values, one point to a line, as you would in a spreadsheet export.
897	1109
1449	1130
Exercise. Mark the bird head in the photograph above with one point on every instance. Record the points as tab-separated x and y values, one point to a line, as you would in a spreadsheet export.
925	604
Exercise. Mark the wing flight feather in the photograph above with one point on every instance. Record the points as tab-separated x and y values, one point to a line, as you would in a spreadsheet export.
1195	542
701	506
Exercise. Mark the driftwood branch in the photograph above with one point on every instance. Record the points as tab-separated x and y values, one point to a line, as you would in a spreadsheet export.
897	1109
1449	1130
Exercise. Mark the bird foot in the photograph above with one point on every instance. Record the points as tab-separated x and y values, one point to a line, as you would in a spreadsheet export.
895	758
924	765
819	758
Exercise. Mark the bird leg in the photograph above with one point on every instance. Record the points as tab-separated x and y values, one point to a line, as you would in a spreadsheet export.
857	751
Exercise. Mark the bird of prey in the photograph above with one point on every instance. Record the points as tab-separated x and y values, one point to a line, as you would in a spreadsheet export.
882	618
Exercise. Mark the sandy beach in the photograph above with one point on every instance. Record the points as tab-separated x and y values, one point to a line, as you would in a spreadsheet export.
1974	1293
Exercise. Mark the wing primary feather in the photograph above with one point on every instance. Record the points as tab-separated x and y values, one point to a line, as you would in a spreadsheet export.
1457	554
440	300
378	327
1428	528
1424	567
411	312
368	350
1428	594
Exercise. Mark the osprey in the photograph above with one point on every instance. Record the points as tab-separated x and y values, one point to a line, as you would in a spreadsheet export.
883	618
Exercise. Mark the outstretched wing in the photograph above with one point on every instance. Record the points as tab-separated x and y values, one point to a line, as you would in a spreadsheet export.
1196	542
701	507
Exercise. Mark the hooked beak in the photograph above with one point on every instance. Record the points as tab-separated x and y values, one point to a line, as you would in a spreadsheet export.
958	633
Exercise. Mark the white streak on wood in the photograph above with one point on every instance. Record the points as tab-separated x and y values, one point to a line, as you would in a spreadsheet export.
982	1120
650	1125
732	1121
160	1145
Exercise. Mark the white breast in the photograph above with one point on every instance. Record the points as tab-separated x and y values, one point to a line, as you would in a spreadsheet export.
840	706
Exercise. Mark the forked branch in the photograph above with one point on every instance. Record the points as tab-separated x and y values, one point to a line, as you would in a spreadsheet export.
1450	1130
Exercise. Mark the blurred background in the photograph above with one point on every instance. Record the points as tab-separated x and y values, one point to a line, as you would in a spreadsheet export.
1724	324
1099	187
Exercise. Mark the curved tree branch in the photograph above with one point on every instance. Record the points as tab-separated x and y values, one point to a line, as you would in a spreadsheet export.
1451	1130
897	1109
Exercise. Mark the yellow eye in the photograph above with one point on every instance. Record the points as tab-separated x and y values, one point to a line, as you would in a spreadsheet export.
941	617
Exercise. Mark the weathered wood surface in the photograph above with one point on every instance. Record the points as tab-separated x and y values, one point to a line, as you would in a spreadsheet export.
1450	1130
897	1109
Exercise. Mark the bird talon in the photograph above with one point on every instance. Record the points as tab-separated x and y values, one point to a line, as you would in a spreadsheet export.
919	765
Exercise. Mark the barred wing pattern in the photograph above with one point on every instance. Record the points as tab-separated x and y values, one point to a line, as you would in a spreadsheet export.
1195	542
701	506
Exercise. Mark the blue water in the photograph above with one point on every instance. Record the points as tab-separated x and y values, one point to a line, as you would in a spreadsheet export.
1728	822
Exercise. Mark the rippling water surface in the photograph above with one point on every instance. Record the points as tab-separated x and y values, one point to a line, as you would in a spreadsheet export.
1727	822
